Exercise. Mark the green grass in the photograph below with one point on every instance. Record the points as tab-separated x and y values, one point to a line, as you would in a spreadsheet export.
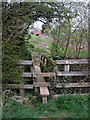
32	41
83	53
38	38
0	112
76	106
63	107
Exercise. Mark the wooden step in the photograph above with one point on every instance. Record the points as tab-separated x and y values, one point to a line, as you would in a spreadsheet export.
44	91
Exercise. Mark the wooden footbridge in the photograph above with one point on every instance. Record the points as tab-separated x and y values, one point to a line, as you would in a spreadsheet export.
61	68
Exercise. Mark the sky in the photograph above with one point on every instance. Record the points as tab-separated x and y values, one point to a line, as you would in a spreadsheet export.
38	25
46	0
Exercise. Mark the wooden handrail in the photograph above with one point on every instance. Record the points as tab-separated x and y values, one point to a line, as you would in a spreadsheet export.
49	59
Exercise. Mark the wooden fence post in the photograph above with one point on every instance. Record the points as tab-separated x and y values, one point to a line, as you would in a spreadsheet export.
67	66
44	99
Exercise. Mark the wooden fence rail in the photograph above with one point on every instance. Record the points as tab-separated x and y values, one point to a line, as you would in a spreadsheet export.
72	61
68	72
44	84
39	81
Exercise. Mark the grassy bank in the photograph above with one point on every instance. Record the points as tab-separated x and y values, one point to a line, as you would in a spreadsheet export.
63	107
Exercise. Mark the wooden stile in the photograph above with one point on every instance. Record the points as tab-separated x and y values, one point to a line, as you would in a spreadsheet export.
39	81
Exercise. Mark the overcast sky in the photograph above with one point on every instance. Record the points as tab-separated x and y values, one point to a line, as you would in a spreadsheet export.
38	25
45	0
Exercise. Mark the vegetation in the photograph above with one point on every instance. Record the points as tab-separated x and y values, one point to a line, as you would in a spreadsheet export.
16	20
35	41
63	107
16	25
68	35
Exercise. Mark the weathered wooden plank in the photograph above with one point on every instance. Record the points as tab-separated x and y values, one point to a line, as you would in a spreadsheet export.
59	95
49	59
27	74
81	73
72	61
28	86
68	85
76	73
72	85
44	91
18	86
44	100
48	74
25	62
66	68
41	84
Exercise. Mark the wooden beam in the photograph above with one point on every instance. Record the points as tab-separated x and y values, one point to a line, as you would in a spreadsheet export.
48	74
25	62
74	85
44	99
41	84
43	65
18	86
77	73
59	95
49	59
66	68
28	74
44	92
72	61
